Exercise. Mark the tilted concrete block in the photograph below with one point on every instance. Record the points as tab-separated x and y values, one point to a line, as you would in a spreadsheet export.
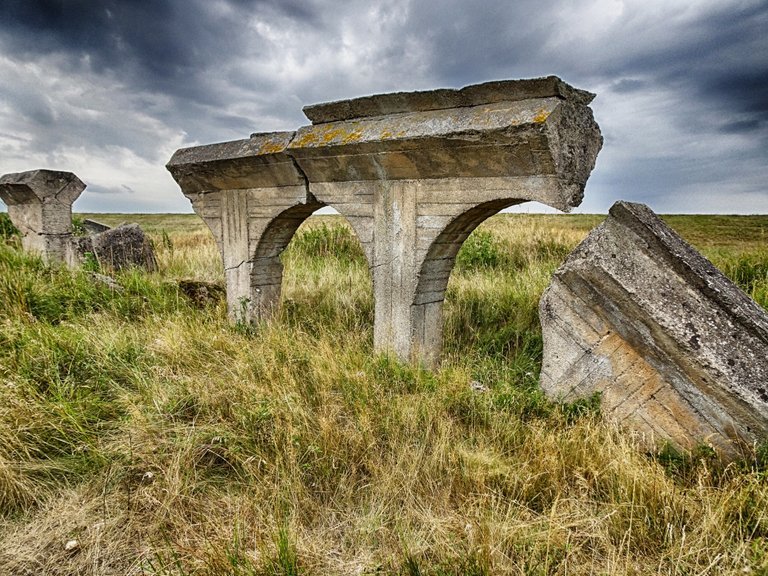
40	206
677	351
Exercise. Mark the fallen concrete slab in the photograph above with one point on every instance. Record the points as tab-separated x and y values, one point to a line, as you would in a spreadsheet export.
677	351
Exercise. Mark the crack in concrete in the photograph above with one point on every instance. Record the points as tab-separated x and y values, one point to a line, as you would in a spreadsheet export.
310	197
236	267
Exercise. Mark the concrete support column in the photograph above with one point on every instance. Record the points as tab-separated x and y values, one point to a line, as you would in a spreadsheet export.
253	197
40	206
251	234
394	265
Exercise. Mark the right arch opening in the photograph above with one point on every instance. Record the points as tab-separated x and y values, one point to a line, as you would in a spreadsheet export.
435	271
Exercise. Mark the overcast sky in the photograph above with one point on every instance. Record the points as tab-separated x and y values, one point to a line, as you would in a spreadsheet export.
109	89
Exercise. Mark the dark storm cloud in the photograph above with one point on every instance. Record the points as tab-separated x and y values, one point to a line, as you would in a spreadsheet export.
140	40
468	44
161	45
718	55
682	87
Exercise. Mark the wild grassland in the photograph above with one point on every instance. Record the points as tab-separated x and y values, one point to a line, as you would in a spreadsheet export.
165	441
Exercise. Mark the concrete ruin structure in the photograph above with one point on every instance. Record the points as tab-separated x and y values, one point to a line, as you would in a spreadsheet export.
115	248
413	173
677	352
40	205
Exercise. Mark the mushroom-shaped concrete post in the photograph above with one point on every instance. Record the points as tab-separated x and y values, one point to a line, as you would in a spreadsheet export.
40	206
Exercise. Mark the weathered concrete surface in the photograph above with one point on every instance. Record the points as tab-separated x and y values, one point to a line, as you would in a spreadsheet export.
40	206
116	248
253	199
413	173
678	352
94	227
442	99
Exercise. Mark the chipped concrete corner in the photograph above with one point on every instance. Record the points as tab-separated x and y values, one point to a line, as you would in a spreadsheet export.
413	173
677	351
40	205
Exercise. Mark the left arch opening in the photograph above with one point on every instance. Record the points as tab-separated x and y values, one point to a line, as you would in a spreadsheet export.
328	275
267	271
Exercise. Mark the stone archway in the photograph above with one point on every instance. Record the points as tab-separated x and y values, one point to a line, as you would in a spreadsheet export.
413	173
267	270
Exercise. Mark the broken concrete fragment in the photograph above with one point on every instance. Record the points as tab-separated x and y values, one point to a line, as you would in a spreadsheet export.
201	293
677	351
40	206
116	248
94	227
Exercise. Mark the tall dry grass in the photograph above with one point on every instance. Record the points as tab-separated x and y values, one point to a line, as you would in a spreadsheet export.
162	440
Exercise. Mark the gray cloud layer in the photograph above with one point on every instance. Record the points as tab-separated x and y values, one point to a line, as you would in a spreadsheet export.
110	89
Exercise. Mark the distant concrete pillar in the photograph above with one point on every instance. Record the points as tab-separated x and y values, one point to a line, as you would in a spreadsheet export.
40	206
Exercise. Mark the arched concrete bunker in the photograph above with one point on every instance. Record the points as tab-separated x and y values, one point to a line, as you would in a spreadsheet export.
413	173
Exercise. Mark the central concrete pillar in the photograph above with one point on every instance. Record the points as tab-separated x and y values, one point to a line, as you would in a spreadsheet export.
395	266
40	206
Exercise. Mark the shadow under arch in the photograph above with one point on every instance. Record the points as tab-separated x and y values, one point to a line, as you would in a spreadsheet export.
434	273
266	276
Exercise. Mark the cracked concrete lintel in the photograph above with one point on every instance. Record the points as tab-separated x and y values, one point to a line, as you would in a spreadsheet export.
549	132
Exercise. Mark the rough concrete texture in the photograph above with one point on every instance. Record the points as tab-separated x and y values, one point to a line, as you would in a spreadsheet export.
116	248
441	99
676	350
40	206
413	173
94	227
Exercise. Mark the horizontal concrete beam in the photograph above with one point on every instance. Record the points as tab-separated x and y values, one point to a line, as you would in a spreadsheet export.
442	99
257	162
539	127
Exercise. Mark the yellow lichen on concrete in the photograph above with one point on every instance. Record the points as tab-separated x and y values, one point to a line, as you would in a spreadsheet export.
541	116
271	147
307	139
341	135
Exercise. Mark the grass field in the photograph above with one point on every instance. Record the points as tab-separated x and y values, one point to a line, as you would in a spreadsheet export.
140	433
